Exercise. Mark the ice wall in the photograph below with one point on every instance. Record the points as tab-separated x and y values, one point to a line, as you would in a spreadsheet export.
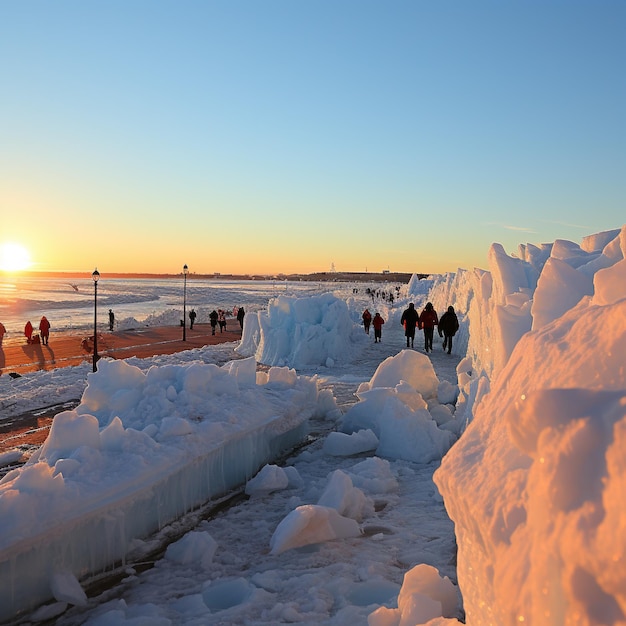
140	450
497	307
535	483
302	332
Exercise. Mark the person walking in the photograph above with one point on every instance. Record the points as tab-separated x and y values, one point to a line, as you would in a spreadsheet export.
192	319
221	319
409	320
448	325
367	320
28	331
428	320
213	319
111	319
377	323
240	315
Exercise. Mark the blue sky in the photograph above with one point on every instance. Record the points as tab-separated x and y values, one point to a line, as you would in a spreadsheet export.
284	136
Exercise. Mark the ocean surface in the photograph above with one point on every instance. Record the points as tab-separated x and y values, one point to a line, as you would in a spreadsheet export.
69	305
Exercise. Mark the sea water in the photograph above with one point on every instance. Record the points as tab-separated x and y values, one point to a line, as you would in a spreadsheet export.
69	303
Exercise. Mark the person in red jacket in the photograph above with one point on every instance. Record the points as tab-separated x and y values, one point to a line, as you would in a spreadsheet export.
44	329
367	320
427	321
377	323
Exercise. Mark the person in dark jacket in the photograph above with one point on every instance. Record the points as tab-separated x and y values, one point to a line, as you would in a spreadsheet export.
448	325
192	318
221	319
240	315
213	319
427	321
409	320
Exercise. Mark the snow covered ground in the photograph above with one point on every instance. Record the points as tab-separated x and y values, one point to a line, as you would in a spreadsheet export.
351	528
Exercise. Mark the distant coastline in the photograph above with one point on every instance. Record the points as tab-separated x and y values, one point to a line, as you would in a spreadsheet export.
389	277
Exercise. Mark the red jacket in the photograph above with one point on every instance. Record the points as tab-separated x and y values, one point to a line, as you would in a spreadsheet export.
378	322
44	325
428	319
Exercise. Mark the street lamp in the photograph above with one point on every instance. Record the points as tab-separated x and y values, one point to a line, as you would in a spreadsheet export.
185	272
96	277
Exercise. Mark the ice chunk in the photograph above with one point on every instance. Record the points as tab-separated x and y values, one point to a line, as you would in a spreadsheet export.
309	524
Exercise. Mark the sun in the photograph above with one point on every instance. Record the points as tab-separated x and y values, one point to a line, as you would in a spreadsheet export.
14	257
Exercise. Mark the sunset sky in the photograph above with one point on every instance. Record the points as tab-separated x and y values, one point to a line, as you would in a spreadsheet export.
288	135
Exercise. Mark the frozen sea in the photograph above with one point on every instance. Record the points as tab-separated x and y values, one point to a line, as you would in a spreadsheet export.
69	303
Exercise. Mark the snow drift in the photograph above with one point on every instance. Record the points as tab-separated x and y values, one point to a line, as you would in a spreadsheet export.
141	450
535	484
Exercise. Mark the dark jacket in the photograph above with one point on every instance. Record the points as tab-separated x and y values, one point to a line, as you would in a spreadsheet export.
449	323
409	320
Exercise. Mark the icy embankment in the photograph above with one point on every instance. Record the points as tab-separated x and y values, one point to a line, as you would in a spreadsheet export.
140	450
535	485
301	332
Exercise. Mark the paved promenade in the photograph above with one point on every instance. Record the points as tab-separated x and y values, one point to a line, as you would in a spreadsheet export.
69	348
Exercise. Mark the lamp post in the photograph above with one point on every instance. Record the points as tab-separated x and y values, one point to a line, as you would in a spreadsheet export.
96	277
185	272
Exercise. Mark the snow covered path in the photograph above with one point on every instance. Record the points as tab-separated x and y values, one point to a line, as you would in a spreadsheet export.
335	582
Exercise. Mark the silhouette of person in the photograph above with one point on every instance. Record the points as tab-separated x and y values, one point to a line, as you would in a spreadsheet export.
221	319
213	320
448	325
28	331
240	315
409	320
192	318
44	329
367	320
3	332
377	323
428	320
111	319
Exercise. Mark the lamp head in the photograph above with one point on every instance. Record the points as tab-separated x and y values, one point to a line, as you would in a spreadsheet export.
95	275
185	269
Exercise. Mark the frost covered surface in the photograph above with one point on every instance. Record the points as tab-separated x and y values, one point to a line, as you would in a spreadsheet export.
398	406
140	450
302	332
323	538
531	428
534	483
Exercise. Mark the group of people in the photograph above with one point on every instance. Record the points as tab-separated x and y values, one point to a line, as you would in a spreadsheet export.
44	332
426	321
218	318
377	322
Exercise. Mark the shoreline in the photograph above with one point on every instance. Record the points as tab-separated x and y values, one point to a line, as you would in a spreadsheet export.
364	277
